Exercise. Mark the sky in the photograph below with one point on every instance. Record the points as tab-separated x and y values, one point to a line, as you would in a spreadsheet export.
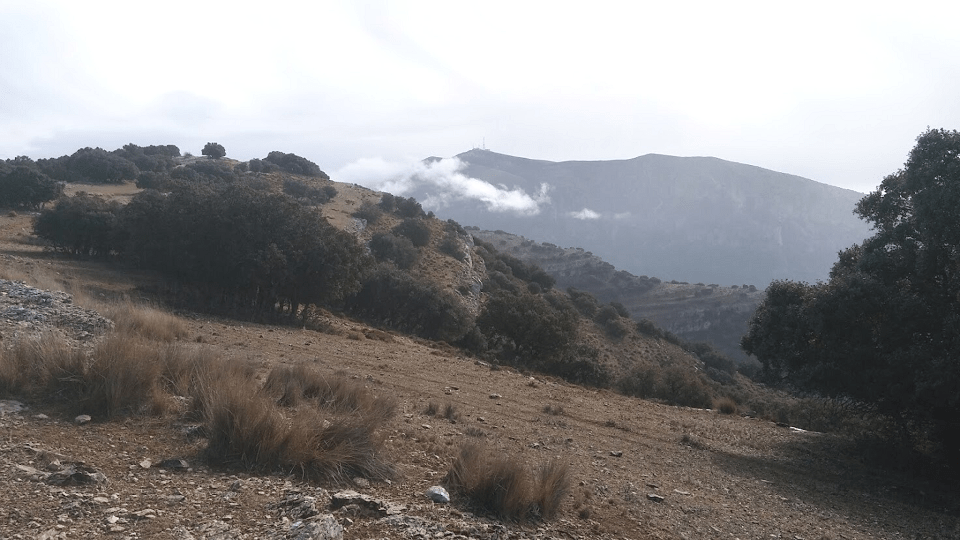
834	91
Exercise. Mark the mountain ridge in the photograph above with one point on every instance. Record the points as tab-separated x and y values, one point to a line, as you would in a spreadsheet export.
687	218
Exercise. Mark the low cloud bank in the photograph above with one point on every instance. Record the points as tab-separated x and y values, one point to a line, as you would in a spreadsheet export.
444	182
584	214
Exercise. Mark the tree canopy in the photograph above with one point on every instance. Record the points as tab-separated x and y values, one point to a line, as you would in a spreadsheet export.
885	329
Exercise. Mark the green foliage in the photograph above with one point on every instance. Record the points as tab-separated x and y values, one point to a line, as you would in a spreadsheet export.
387	247
403	207
307	193
885	329
213	150
400	301
294	164
27	187
82	225
586	303
369	211
243	248
90	166
416	229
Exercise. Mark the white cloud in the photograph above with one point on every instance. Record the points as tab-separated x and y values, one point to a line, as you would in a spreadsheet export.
586	213
444	182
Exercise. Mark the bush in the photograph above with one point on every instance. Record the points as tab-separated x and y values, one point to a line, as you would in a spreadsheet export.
82	225
500	485
387	247
369	211
674	384
27	187
585	302
397	300
294	164
307	193
417	230
213	150
452	246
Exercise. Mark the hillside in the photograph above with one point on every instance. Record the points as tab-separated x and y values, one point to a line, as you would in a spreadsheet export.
695	312
637	468
694	219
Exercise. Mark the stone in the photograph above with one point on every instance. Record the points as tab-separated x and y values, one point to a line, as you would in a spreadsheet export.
174	464
82	419
76	473
9	406
323	527
616	453
438	495
145	464
655	498
367	505
495	396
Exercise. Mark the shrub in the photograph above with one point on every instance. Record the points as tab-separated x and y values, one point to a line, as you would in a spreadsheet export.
306	193
82	225
27	187
725	405
417	230
452	246
500	485
144	321
585	302
387	247
213	150
294	164
400	301
369	211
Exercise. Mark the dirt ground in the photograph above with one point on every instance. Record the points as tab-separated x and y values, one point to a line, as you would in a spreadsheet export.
639	469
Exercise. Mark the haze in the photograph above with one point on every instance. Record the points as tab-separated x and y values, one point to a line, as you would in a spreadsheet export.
832	92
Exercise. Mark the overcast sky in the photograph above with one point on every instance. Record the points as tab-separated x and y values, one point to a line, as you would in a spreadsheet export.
833	91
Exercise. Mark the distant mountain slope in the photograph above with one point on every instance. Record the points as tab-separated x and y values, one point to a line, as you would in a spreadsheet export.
695	312
686	218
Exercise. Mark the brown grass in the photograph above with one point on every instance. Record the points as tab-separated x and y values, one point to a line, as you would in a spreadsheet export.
292	386
501	485
144	320
725	405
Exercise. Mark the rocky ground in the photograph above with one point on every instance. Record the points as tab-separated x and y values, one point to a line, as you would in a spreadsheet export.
639	469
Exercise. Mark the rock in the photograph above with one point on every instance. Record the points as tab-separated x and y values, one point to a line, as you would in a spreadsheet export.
174	464
323	527
655	498
438	495
296	506
367	505
76	473
145	464
82	419
9	406
495	396
616	453
361	482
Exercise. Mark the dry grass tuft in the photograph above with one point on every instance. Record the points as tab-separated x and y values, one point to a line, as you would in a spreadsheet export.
248	426
725	405
292	386
43	366
144	321
502	486
123	377
554	410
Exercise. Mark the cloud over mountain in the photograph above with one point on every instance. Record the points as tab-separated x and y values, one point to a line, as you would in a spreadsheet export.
443	182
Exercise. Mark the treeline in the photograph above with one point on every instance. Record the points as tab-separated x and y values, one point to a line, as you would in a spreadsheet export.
28	183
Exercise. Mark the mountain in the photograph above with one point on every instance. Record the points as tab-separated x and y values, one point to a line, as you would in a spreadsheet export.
695	312
695	219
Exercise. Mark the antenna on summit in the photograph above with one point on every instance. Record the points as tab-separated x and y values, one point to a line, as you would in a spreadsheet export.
484	143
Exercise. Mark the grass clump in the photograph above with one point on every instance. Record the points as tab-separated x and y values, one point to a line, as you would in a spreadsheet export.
725	405
502	486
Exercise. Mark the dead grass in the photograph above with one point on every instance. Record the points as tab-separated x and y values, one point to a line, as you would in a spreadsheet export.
143	320
45	366
248	426
725	405
292	386
502	486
